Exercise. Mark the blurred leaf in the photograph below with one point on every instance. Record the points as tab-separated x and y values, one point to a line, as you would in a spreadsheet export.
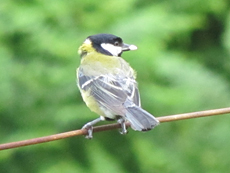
182	65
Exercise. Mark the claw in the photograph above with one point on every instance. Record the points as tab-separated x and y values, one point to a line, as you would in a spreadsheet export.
89	129
123	130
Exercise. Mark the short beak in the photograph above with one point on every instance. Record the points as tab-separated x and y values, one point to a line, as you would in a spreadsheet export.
127	47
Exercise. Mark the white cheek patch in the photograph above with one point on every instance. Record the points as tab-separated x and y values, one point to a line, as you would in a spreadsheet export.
114	50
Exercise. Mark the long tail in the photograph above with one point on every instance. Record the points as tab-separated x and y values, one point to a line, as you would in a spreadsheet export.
139	119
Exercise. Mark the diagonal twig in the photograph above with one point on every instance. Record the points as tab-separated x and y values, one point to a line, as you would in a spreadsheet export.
111	127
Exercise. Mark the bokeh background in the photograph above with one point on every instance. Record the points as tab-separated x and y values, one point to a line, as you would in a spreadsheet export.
183	65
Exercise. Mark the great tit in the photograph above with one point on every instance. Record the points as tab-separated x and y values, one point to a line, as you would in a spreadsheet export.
108	86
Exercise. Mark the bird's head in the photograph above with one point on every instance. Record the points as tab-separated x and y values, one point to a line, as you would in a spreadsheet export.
106	44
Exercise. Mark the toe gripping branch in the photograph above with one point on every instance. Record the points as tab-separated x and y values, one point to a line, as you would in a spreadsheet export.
89	126
122	121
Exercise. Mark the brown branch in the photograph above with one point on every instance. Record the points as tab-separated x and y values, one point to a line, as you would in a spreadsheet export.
110	127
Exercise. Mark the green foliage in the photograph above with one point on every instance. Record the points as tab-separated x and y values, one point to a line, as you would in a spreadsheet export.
183	65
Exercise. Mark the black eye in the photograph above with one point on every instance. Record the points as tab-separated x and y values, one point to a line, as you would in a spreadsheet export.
116	43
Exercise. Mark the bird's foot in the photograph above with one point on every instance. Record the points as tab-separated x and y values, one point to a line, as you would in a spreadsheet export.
89	127
123	130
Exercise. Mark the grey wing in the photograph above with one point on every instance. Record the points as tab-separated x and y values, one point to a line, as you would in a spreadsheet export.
110	91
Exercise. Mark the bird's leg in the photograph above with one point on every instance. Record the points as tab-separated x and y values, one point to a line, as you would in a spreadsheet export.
121	121
89	126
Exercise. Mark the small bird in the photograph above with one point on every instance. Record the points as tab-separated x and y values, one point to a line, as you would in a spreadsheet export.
108	86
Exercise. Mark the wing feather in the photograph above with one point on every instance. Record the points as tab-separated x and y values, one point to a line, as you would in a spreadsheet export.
110	91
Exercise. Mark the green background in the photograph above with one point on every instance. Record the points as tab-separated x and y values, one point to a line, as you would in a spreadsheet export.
182	62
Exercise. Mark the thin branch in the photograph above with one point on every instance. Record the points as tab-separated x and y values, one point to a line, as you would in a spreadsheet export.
111	127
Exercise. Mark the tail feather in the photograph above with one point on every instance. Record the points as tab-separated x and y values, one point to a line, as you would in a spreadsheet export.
140	119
